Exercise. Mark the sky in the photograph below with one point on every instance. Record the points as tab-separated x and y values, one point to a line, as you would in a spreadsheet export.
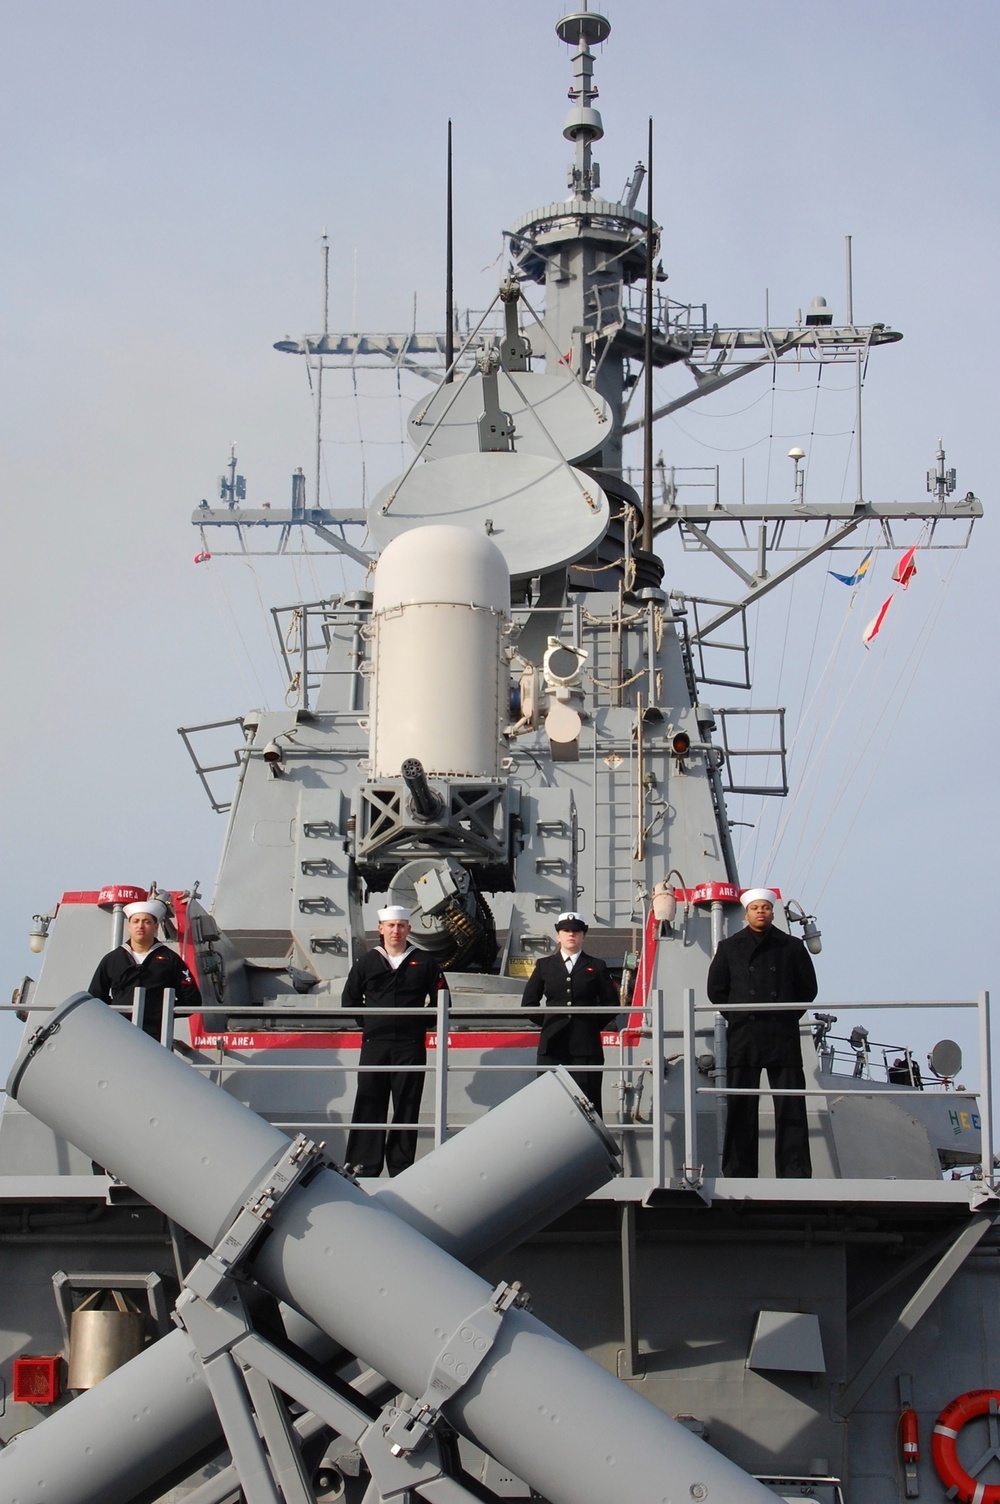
169	171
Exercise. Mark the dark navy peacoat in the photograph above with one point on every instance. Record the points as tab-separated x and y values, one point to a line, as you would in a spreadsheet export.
762	968
589	985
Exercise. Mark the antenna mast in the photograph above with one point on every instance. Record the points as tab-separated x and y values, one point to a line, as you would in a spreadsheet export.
449	295
647	425
319	374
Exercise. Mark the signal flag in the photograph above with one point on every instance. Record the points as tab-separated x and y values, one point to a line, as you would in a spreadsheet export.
875	625
905	569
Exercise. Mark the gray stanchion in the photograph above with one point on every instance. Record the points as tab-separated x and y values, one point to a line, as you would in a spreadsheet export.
373	1283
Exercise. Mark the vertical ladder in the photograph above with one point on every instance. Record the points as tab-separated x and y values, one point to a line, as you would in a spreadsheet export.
614	831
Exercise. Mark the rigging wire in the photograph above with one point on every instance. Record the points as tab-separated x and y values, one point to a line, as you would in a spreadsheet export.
755	833
361	438
778	821
901	688
265	616
850	760
790	597
232	631
814	756
847	764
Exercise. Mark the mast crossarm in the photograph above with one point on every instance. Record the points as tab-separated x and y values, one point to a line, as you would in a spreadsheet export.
969	509
423	354
317	518
720	553
763	585
825	345
278	517
342	546
822	338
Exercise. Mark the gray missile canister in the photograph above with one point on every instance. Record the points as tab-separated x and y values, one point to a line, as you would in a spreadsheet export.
570	1429
510	1172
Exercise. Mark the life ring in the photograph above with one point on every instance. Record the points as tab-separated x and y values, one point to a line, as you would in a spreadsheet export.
944	1452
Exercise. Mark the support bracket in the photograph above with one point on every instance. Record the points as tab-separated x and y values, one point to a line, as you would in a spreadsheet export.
453	1368
247	1375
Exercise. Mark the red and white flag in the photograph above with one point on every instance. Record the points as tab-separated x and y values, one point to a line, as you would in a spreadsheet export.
874	627
905	569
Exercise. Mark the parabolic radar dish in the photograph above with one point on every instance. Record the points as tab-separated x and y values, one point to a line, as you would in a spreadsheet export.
541	513
553	414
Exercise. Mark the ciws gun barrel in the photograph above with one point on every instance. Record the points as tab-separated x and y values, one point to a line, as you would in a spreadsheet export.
370	1280
426	804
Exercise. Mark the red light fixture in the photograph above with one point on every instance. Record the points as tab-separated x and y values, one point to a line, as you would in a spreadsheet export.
36	1380
681	744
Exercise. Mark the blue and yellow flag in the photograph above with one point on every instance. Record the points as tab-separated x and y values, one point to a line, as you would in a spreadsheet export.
862	570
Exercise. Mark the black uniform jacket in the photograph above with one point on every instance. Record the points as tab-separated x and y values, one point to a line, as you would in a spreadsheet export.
373	983
752	968
588	985
119	974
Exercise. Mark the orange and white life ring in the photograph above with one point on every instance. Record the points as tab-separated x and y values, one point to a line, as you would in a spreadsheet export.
945	1453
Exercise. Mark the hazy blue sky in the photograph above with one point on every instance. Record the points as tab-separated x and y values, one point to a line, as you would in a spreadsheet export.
168	169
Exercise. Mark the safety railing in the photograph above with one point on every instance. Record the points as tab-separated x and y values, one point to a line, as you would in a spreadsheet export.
443	1065
691	1090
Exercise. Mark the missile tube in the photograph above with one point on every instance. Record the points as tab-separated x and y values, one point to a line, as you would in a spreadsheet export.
485	1190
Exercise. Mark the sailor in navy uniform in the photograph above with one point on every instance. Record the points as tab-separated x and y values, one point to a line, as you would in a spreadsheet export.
393	975
572	978
762	964
141	961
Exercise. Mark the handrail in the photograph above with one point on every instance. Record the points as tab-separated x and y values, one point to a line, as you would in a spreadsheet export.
444	1015
985	1094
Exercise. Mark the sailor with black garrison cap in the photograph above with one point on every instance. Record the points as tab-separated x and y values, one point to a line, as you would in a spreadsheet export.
761	964
572	978
141	961
393	975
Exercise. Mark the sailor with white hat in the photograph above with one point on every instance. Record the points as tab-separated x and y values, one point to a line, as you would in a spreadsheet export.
758	895
758	966
393	913
572	978
140	961
151	906
393	975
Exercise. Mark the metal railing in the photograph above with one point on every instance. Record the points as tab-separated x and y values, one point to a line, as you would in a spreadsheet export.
443	1065
691	1090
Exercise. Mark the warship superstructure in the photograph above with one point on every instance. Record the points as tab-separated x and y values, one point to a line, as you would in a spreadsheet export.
512	713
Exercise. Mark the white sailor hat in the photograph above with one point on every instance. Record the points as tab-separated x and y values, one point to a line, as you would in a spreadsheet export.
571	920
394	913
751	895
147	906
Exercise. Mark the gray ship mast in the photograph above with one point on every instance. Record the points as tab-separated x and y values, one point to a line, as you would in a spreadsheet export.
612	769
588	253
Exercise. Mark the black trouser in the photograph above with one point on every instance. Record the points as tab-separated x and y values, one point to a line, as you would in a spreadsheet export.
589	1082
791	1133
368	1148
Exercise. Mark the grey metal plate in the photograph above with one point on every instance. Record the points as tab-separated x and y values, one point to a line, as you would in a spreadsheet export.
553	413
541	513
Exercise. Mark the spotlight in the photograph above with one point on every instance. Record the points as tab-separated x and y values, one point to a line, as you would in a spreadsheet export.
664	903
796	914
39	932
274	757
665	898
